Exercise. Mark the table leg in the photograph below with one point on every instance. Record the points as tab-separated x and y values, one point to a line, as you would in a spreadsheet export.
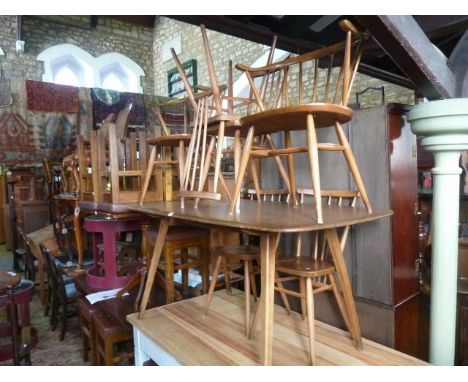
337	254
158	247
268	244
78	240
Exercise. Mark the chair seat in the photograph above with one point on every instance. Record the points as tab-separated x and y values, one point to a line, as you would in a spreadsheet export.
169	140
295	117
234	253
70	291
304	266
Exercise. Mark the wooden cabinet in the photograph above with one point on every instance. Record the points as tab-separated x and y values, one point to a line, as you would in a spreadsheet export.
462	324
3	199
380	255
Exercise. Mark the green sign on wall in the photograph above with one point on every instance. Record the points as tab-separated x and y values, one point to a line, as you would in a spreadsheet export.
174	81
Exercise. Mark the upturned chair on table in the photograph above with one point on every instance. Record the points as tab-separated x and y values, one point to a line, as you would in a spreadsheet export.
290	98
316	272
119	161
163	155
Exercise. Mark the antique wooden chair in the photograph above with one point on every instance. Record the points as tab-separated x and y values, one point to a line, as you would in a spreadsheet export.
121	166
315	272
163	155
224	120
297	94
29	260
64	294
244	256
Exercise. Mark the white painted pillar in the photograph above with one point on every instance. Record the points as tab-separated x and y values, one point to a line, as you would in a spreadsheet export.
444	124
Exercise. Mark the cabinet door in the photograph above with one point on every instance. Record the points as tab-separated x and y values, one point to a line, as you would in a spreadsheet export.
403	202
386	250
372	242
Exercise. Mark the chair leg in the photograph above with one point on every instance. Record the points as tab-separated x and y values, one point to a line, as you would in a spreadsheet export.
349	156
247	297
185	272
253	283
53	316
108	353
242	166
314	165
310	318
85	340
149	170
253	325
283	295
204	255
291	173
227	276
302	288
169	274
254	175
214	277
48	302
64	321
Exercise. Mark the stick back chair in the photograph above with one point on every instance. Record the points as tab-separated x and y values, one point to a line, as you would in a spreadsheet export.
297	94
245	257
315	272
163	154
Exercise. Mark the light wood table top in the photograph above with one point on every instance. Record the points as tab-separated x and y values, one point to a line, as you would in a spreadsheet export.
262	217
183	331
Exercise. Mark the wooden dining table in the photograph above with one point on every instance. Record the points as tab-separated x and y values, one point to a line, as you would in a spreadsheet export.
268	220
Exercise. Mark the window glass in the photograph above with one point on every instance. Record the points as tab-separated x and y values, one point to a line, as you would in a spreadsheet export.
66	76
113	82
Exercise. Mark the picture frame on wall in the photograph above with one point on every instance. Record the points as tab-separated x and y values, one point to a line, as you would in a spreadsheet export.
175	85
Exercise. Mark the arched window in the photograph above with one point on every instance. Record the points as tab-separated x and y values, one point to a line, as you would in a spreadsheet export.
68	64
66	76
114	82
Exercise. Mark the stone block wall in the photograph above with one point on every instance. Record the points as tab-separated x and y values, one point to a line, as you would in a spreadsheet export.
225	47
133	41
16	67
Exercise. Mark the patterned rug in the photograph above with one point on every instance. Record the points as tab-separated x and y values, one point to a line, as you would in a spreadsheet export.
50	351
44	96
106	102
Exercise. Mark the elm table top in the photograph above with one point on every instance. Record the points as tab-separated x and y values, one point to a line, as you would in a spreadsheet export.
261	217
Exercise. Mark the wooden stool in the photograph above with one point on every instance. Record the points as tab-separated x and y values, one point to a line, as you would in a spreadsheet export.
109	333
88	331
181	238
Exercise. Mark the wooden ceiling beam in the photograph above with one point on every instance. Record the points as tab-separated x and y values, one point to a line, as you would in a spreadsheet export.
410	48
